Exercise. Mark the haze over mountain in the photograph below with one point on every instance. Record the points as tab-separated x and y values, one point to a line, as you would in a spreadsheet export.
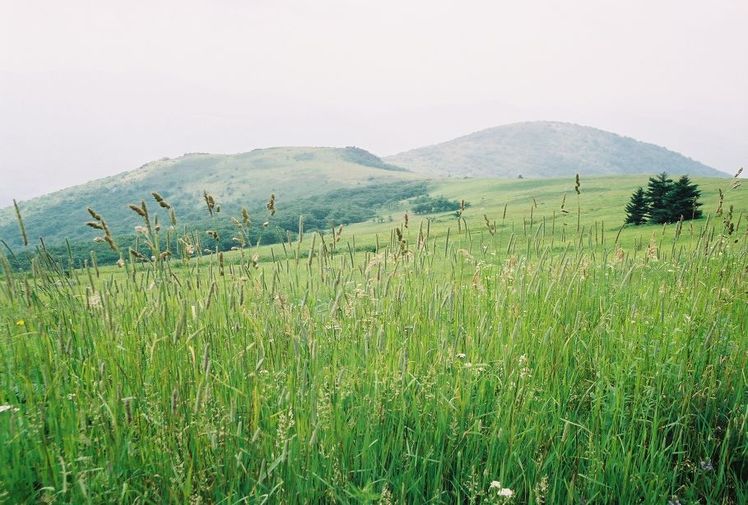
546	149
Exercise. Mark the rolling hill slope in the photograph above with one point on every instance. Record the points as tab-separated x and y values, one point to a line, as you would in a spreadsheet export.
239	180
546	149
295	174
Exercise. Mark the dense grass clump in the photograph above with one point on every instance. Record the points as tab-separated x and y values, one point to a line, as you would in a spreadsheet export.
459	364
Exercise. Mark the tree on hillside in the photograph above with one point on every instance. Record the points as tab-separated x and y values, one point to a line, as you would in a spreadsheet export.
683	200
637	209
664	201
657	198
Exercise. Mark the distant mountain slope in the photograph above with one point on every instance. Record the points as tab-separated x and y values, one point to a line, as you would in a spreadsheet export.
237	180
546	149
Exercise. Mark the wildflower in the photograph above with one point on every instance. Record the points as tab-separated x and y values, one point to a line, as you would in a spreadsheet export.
20	322
673	501
386	496
94	300
502	491
121	263
524	370
141	229
8	408
541	488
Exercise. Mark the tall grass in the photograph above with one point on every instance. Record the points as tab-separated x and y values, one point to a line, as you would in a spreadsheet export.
555	364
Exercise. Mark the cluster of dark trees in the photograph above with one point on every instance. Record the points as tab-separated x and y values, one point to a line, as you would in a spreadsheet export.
664	201
430	205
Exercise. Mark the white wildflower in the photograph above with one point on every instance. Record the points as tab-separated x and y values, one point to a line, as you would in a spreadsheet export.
94	300
524	370
501	491
541	488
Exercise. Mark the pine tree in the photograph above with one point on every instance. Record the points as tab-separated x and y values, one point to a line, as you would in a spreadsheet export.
683	200
637	208
657	198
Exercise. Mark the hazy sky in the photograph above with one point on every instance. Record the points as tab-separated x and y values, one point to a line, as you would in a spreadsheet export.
93	88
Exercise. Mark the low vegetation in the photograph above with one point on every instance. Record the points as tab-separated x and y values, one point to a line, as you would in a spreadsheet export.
489	357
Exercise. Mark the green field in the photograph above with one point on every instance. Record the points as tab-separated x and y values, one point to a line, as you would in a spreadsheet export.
521	347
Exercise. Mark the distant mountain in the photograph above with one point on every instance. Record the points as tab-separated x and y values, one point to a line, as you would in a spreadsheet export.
546	149
298	174
238	180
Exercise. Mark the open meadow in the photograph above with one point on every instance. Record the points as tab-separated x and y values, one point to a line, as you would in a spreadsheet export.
529	350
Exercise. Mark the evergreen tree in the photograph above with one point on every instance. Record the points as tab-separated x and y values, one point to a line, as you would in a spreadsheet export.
683	200
657	198
637	208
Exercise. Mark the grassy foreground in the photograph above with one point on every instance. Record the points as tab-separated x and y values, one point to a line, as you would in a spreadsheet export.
528	363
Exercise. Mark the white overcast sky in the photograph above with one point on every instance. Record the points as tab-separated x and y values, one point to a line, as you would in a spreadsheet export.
93	88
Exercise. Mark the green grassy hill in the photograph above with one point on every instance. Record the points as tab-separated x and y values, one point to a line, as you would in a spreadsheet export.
515	204
546	149
538	357
239	180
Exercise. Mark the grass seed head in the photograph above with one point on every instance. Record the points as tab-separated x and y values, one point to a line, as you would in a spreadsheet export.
137	255
110	241
94	214
271	204
138	209
210	202
160	200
